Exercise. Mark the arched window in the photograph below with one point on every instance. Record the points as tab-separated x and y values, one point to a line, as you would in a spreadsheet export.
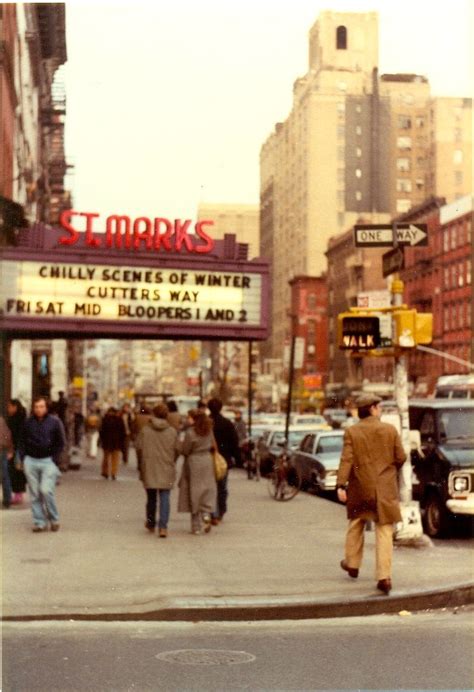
341	38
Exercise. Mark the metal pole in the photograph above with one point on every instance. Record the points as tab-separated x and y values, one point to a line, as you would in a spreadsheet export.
401	398
290	382
84	380
250	391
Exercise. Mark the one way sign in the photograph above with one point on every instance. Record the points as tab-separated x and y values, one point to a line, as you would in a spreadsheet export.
381	235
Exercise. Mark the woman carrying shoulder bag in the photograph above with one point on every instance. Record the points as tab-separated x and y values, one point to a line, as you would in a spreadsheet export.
197	485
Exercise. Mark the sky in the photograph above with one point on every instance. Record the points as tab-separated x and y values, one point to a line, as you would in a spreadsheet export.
169	102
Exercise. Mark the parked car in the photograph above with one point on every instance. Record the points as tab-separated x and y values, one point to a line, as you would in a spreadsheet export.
310	419
271	444
317	459
444	465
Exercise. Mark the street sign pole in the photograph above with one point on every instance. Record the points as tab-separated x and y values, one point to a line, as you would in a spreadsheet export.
291	376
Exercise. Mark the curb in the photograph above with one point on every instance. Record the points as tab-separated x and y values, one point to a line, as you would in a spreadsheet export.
222	609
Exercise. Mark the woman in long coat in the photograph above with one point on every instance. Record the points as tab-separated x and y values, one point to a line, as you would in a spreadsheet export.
197	485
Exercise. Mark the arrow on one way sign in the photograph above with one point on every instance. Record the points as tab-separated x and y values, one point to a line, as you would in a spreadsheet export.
381	235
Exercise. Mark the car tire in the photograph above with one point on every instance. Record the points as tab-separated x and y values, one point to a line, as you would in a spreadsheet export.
435	517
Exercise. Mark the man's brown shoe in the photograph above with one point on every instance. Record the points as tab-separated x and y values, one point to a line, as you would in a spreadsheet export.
39	529
163	533
384	585
354	573
54	526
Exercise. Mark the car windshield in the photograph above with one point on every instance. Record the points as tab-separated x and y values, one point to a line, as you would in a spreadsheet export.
294	437
330	444
456	424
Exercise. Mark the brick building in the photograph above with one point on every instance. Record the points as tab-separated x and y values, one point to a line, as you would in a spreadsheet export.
310	322
438	280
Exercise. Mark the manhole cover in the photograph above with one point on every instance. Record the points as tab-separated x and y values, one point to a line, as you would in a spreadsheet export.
206	657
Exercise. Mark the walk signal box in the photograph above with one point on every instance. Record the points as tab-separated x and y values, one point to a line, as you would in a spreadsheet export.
358	332
402	328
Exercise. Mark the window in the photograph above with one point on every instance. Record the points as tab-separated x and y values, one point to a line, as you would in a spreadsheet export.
341	38
408	98
453	237
457	156
341	153
358	195
358	108
307	444
461	275
311	302
458	134
340	196
458	177
404	142
358	152
403	185
342	86
427	427
420	121
341	106
404	122
358	173
403	205
454	271
341	175
311	329
468	272
420	183
461	316
446	277
446	240
446	323
358	130
341	131
403	165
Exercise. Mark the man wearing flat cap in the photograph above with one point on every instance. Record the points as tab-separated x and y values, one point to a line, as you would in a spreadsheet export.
367	481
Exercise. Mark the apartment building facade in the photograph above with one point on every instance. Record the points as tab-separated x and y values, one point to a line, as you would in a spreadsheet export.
355	144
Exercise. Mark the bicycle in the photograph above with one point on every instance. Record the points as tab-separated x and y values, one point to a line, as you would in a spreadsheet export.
284	482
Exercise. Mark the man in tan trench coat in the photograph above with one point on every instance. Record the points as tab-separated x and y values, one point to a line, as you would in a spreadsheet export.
367	481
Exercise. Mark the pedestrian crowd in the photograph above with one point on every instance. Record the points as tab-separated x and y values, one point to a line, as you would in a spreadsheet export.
33	449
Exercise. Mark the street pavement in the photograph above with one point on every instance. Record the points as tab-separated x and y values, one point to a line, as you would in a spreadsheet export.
266	560
423	651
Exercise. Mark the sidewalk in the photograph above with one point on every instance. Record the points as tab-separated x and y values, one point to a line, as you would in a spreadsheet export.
266	560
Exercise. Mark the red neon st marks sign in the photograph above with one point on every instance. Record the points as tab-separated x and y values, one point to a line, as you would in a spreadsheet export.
133	234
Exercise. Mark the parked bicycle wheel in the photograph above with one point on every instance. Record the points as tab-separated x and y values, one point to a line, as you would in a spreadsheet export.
284	481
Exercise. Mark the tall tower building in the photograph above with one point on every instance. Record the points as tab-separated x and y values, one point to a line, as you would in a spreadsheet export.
354	145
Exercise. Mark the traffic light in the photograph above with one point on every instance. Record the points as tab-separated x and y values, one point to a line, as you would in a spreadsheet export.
412	328
358	332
